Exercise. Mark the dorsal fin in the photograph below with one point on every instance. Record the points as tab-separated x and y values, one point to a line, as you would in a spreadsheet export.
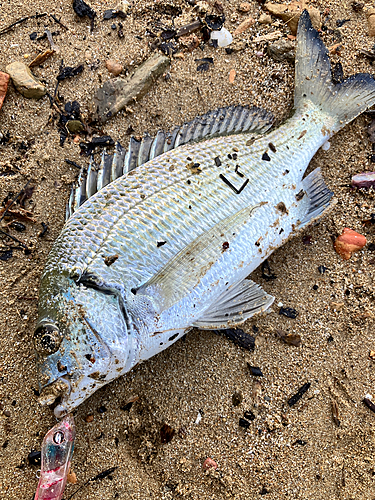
220	122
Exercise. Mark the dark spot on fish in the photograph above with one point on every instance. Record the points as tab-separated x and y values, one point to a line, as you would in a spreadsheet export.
102	409
257	243
281	208
173	337
301	135
281	231
188	158
234	156
265	156
97	376
217	161
110	259
133	291
300	195
160	243
272	147
225	246
229	156
286	172
60	366
188	182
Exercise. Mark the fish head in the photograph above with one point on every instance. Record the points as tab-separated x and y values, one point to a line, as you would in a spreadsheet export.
81	342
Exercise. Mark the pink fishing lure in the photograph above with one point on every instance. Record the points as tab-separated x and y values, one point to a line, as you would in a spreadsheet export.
57	453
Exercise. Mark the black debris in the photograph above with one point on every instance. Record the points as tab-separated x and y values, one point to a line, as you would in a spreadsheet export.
44	230
18	226
20	21
337	73
102	409
264	491
249	415
369	404
110	14
239	337
315	287
215	22
289	312
160	243
204	63
341	22
217	161
300	195
255	371
168	48
35	458
82	9
357	6
33	35
267	274
272	147
87	148
166	433
266	157
73	163
371	247
330	339
6	254
322	269
69	72
244	423
104	474
127	406
294	399
237	399
300	442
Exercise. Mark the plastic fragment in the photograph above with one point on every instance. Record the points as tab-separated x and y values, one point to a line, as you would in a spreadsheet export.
209	464
223	37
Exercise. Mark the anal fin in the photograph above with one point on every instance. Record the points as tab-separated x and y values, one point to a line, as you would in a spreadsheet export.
235	306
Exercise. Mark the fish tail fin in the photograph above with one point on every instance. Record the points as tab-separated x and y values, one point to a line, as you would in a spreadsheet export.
343	101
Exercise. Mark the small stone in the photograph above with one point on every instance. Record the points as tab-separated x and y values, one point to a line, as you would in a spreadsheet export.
265	18
282	50
7	413
237	399
364	180
4	81
74	126
349	242
244	26
232	75
209	464
24	81
114	67
244	7
89	418
71	477
290	13
117	93
370	14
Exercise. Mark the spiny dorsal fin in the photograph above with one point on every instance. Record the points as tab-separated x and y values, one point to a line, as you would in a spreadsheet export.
220	122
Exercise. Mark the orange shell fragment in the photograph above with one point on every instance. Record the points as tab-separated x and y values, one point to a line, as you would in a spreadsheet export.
348	242
4	80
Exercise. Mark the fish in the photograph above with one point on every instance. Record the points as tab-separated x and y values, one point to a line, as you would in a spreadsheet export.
57	453
163	237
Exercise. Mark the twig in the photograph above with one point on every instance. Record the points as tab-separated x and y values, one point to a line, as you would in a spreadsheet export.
101	475
14	239
14	199
59	22
11	26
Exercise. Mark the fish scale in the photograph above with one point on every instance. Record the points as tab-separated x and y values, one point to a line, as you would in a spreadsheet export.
111	296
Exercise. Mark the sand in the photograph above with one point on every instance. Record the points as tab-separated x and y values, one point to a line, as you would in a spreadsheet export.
296	452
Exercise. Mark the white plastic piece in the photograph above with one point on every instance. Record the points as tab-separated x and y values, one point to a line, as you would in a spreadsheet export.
326	146
223	37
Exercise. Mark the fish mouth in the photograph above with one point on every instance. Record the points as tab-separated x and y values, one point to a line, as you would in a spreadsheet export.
58	388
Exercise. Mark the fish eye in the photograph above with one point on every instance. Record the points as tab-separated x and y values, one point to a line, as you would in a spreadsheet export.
58	437
47	339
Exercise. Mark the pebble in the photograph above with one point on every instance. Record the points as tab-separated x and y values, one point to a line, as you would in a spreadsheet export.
117	93
244	26
7	413
265	18
114	67
291	13
364	180
4	81
282	50
223	37
244	7
24	81
89	418
209	464
370	14
349	242
74	126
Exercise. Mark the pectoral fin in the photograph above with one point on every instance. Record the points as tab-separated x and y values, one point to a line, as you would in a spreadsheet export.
185	271
236	306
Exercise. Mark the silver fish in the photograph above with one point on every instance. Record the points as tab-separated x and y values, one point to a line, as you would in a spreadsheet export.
169	245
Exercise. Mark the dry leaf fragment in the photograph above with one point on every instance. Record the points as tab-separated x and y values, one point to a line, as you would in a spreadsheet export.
71	477
40	58
245	25
232	75
289	338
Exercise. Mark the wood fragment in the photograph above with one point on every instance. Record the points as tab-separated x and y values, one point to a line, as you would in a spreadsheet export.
270	37
335	413
232	75
20	21
244	26
369	404
289	338
41	58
